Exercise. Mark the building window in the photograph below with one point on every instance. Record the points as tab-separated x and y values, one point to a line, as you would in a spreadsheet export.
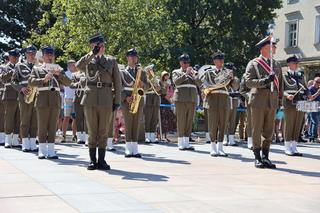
292	34
317	30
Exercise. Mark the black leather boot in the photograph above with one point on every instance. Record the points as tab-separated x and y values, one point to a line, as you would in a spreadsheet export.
258	161
93	159
102	164
265	159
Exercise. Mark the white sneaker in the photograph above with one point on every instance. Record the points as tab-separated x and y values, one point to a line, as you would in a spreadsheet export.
225	140
287	148
26	147
79	137
33	144
147	137
128	150
86	139
8	141
152	137
110	144
250	143
231	141
294	149
220	149
208	136
186	143
214	151
180	143
43	150
51	152
15	140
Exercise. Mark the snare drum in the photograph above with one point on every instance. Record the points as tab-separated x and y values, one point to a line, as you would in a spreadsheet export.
308	106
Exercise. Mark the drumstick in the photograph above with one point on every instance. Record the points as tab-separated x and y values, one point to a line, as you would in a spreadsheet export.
298	91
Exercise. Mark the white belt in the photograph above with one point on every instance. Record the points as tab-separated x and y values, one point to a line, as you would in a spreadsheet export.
128	88
293	91
187	85
81	89
1	89
151	92
48	88
220	91
23	82
7	84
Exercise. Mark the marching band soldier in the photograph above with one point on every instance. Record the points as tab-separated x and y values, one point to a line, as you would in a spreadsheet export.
28	116
2	133
245	92
294	89
102	73
152	107
47	78
10	100
218	102
264	85
231	119
185	98
78	83
132	120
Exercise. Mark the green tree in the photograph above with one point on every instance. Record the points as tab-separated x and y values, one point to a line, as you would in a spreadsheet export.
17	21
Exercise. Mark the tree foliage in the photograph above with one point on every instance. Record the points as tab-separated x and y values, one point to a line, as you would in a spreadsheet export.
161	30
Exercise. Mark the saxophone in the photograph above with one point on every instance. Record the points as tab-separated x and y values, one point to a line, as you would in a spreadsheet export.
137	92
28	98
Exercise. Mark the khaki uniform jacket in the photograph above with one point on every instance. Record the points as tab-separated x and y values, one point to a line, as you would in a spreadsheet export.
47	98
208	79
78	83
128	82
260	93
9	92
244	90
181	93
153	99
20	78
2	70
291	85
106	71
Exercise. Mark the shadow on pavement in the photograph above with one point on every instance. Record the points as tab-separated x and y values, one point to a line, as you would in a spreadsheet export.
138	176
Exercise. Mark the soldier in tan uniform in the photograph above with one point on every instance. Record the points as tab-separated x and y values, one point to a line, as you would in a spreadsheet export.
218	99
47	78
132	120
265	90
152	107
185	98
78	84
10	100
28	115
245	92
2	133
294	90
229	137
102	73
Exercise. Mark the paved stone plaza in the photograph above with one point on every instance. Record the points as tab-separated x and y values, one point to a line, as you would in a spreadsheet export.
164	180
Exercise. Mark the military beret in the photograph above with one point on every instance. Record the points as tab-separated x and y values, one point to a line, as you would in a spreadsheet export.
292	59
265	42
14	52
184	57
47	49
218	55
132	52
31	49
96	38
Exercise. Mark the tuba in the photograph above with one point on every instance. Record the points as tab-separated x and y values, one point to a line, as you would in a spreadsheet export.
152	79
137	92
221	80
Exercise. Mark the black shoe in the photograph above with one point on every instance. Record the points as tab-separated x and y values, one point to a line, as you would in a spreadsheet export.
191	139
258	162
55	157
93	159
34	150
190	148
234	144
63	139
265	159
26	150
41	157
297	154
1	144
74	139
208	141
102	164
7	146
81	142
128	155
137	155
111	150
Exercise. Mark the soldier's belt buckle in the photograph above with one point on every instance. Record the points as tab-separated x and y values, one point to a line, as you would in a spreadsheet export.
99	84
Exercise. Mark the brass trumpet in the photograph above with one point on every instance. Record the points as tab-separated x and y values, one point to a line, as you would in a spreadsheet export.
152	79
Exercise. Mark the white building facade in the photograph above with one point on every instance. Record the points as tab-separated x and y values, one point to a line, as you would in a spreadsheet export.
298	28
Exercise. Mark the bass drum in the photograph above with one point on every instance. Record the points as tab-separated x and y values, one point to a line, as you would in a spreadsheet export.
308	106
